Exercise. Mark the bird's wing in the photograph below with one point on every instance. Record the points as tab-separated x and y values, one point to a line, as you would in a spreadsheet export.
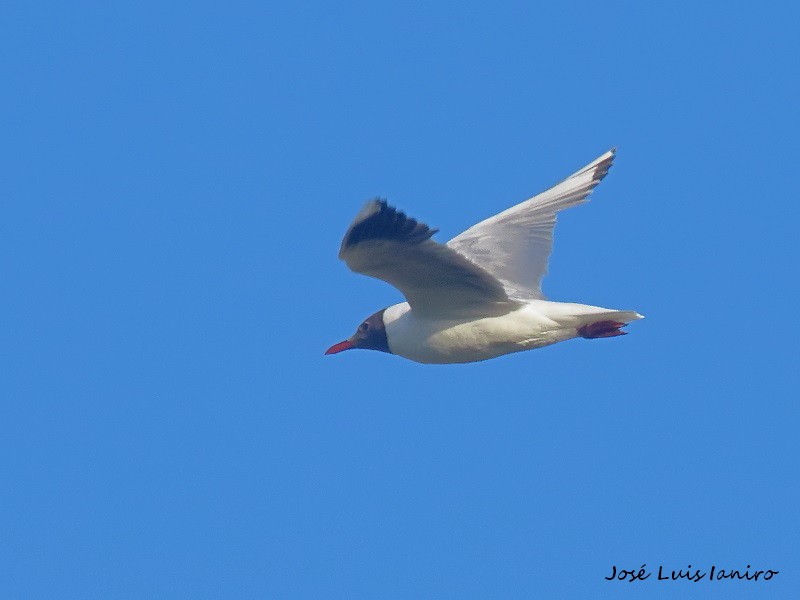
384	243
515	244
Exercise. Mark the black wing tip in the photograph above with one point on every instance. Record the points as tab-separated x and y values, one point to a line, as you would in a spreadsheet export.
601	169
379	221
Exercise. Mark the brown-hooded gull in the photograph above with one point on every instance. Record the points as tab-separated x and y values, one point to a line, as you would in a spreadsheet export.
478	296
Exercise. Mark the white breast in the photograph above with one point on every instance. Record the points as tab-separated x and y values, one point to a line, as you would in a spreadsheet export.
430	340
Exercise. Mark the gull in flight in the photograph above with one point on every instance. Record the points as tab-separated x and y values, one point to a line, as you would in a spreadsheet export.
479	295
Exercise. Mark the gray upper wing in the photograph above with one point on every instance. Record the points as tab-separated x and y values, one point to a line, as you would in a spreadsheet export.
515	245
384	243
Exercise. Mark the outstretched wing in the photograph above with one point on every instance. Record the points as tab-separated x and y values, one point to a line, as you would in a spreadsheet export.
384	243
515	244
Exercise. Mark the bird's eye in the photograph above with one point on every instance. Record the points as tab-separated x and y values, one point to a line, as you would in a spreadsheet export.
363	327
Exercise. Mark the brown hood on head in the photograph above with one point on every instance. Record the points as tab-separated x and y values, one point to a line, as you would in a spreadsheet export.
370	335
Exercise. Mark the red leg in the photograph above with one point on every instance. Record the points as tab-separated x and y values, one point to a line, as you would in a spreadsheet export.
601	329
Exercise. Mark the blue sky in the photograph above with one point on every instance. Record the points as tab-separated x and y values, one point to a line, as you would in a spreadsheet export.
177	179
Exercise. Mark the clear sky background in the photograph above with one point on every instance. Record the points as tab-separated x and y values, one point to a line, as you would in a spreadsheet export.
176	180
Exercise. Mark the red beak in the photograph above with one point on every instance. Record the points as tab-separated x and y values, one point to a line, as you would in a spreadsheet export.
340	347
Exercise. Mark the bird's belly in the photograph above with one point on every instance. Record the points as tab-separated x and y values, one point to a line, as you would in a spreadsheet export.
436	341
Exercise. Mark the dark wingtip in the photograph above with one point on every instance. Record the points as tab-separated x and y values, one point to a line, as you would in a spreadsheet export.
601	170
379	221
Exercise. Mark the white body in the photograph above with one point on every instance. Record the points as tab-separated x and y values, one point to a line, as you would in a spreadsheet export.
535	324
479	296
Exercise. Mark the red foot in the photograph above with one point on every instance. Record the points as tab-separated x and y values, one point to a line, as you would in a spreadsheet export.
602	329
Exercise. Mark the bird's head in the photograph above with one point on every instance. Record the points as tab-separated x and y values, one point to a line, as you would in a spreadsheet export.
370	335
